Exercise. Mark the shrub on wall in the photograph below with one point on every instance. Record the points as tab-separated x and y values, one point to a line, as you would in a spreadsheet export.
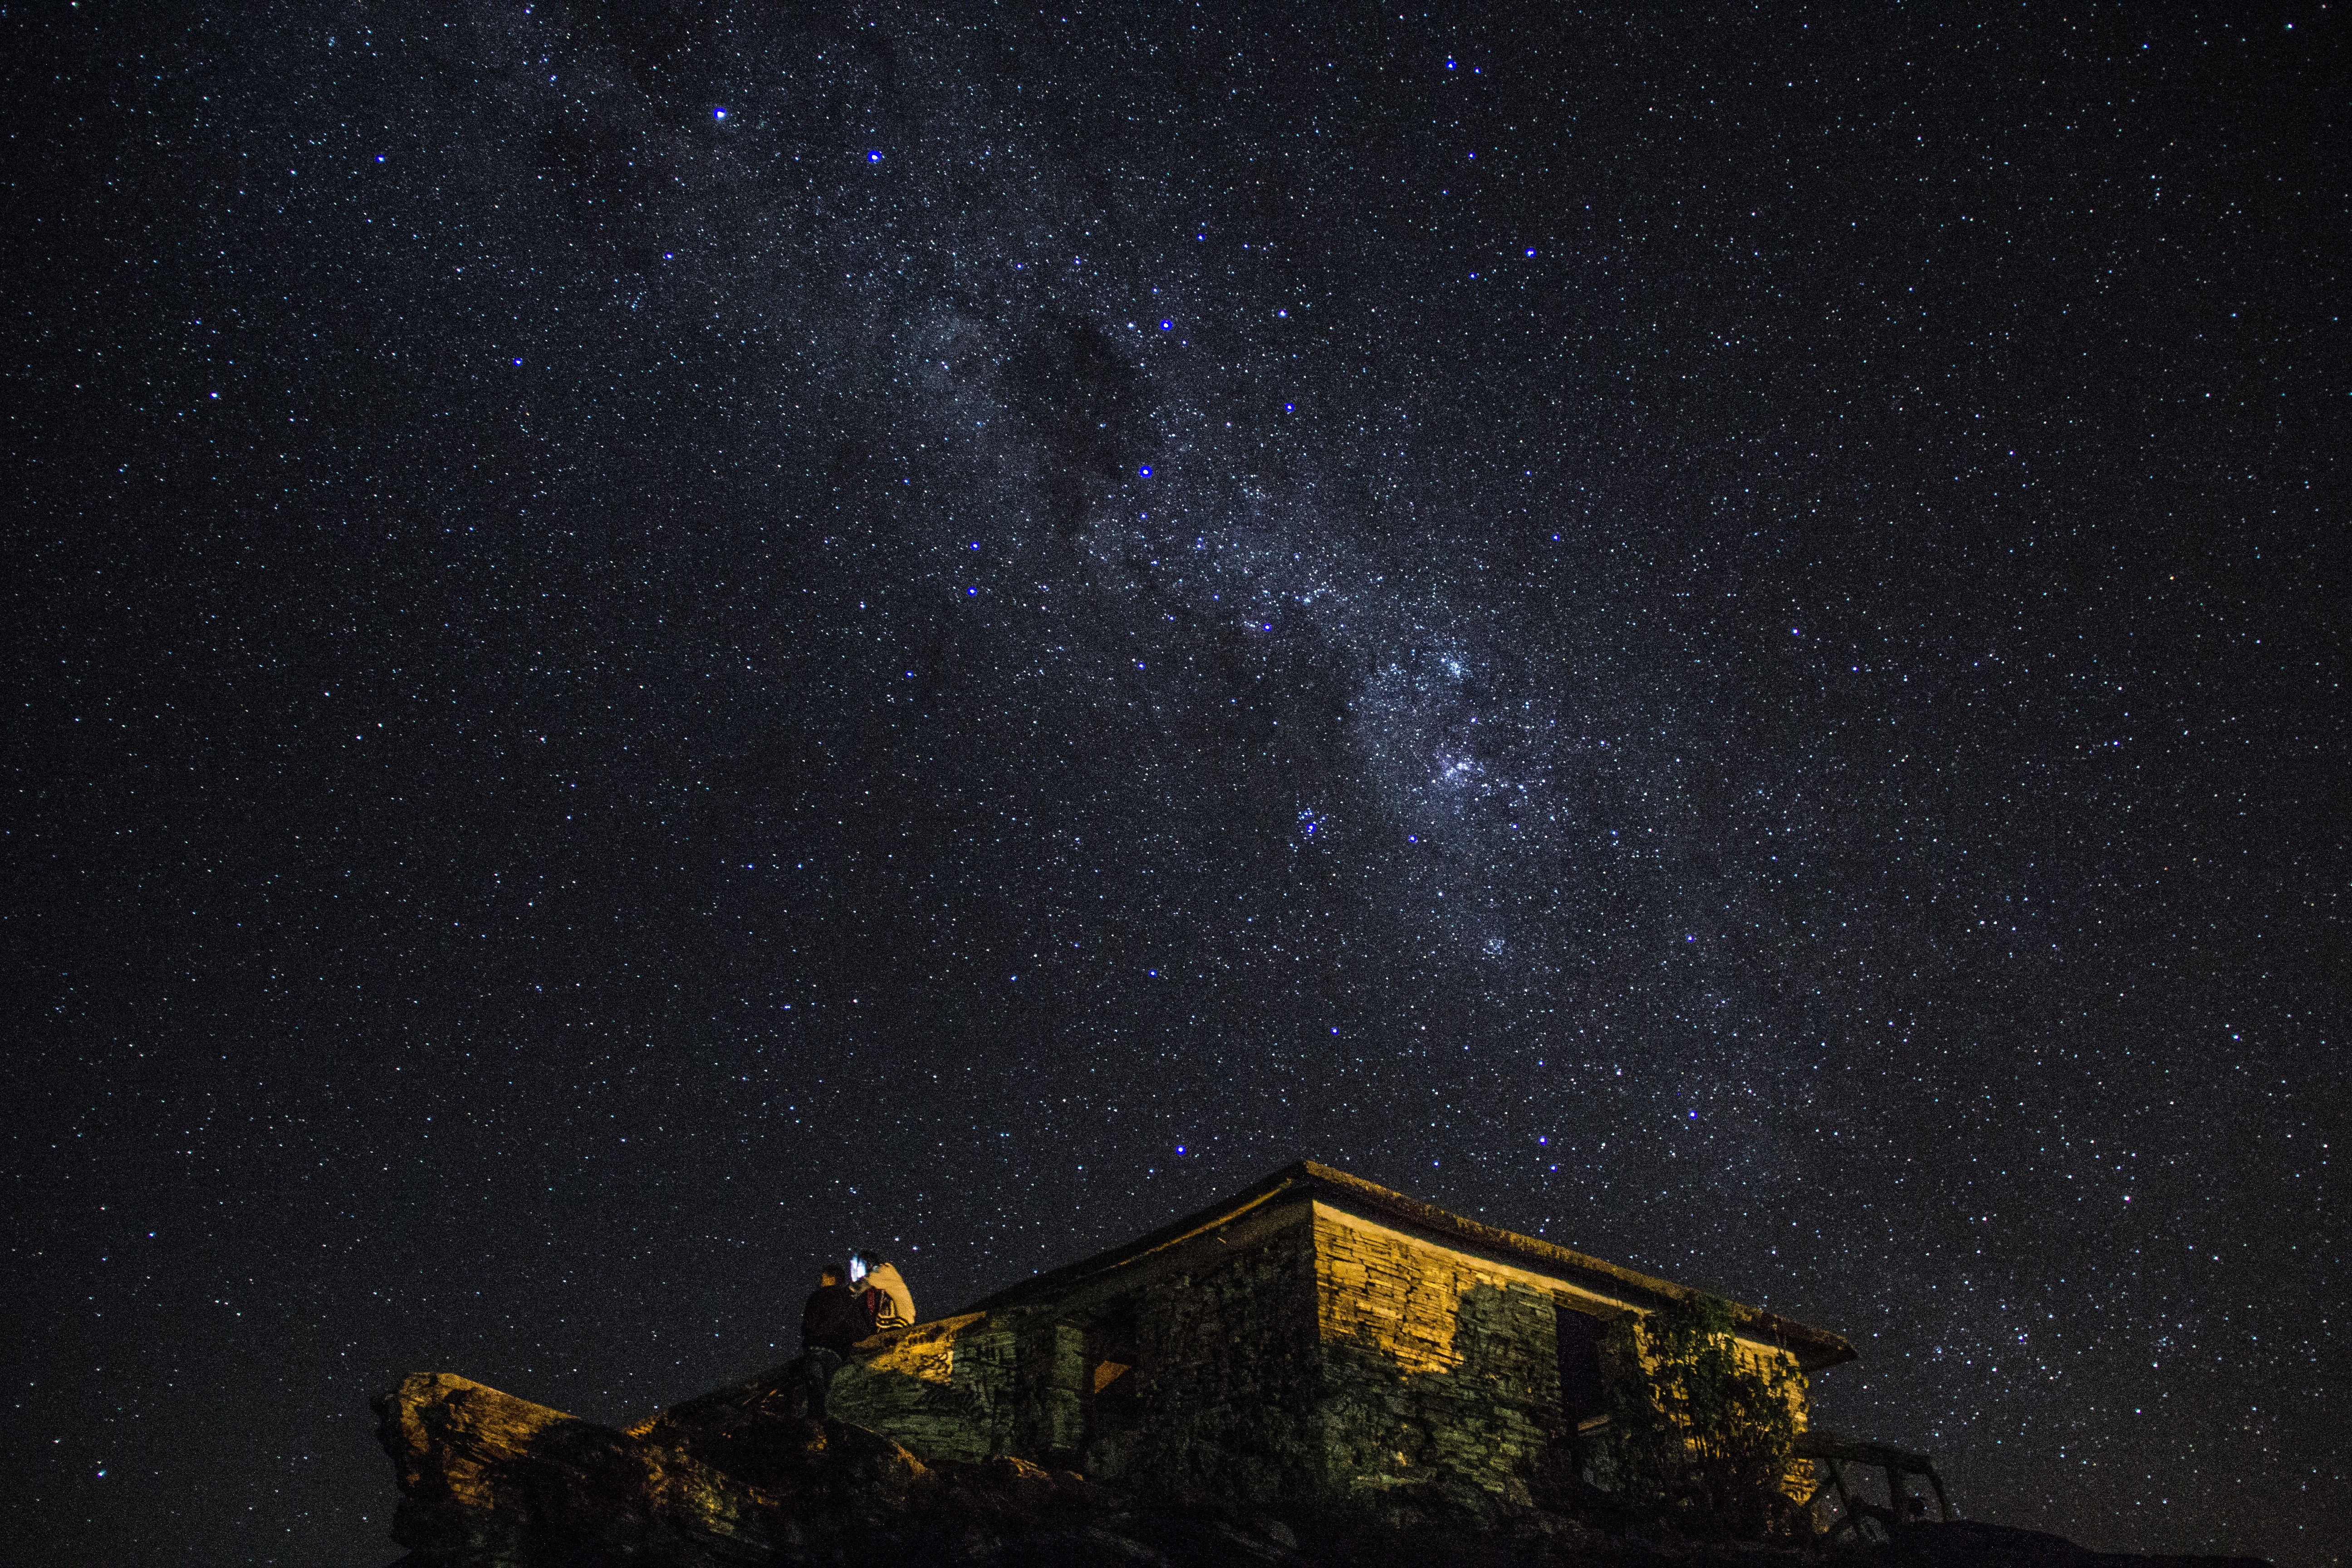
1701	1431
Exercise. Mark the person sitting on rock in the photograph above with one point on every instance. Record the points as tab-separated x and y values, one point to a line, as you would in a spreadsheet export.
879	1285
831	1323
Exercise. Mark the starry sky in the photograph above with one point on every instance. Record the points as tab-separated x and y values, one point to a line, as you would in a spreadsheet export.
654	641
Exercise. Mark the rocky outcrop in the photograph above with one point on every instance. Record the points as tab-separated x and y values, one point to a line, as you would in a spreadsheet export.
742	1478
486	1477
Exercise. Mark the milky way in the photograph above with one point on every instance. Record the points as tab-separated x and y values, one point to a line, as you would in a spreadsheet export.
653	644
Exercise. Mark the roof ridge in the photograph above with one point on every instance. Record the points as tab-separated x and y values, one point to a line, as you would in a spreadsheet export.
1829	1349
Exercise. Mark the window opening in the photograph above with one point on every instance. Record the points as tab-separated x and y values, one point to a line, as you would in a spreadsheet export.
1582	1397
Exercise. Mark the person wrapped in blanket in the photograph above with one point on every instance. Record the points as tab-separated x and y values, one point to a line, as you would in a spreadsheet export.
881	1290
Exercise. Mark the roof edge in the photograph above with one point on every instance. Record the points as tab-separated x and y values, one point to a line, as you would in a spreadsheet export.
1250	1197
1815	1349
1826	1349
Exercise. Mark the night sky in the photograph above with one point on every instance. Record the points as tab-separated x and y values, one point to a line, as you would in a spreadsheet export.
652	642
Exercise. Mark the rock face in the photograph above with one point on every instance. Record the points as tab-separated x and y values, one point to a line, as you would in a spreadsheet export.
486	1477
742	1478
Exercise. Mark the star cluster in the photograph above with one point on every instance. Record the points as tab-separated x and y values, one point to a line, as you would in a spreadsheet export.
654	642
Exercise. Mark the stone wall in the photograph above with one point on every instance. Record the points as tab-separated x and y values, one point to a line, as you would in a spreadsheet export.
1441	1370
1297	1350
1226	1372
1215	1335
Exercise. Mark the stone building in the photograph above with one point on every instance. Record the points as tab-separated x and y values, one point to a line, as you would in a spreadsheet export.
1313	1337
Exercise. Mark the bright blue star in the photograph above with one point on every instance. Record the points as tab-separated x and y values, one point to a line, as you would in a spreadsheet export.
720	113
875	156
1165	326
1145	471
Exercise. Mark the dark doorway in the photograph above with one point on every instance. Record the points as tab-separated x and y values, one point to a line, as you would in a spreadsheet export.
1582	1397
1112	1389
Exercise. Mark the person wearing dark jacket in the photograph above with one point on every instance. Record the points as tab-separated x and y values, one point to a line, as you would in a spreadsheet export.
833	1319
831	1323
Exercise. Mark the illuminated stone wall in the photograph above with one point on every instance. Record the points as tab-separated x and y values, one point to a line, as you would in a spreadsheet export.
1297	1350
1441	1370
1195	1365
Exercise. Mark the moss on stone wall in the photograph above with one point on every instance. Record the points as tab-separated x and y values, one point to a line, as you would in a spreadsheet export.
1702	1425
